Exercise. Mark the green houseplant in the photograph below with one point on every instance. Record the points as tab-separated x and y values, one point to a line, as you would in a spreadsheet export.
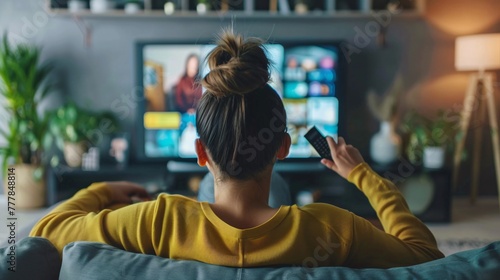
429	136
75	129
23	86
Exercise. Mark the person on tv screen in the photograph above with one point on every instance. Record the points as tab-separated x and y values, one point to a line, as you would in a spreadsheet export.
241	123
187	91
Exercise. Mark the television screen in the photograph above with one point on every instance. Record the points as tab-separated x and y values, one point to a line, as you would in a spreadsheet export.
304	75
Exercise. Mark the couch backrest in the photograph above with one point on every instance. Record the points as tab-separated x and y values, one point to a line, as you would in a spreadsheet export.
87	260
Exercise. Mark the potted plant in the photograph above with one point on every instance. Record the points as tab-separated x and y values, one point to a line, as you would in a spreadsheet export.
73	129
429	139
23	86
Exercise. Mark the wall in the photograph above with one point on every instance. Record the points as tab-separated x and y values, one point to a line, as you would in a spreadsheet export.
444	87
103	73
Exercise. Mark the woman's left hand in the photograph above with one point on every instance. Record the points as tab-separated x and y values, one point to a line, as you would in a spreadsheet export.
126	192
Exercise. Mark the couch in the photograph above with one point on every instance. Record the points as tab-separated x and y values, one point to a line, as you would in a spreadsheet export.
36	258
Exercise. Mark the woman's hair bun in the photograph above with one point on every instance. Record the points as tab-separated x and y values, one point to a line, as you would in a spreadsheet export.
237	66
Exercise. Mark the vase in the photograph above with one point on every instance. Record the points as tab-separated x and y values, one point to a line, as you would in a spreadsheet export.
384	145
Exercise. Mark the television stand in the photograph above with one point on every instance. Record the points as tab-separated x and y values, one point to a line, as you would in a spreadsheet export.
299	167
176	167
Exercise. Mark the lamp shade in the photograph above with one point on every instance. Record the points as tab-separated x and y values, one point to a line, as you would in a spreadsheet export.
477	52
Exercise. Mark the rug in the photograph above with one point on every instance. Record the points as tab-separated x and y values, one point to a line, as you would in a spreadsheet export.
452	246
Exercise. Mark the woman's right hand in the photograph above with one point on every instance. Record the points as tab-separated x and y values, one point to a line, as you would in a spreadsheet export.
345	157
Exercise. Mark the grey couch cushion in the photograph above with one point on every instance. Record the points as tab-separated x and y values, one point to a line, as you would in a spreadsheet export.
35	259
87	260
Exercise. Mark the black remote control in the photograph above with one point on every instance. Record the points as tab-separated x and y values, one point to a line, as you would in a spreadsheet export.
318	141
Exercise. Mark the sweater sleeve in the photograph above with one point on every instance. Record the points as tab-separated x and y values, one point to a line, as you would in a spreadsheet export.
406	240
87	217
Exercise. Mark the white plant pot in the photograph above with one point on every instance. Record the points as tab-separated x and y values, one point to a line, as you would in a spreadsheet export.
132	8
434	157
384	145
101	6
75	6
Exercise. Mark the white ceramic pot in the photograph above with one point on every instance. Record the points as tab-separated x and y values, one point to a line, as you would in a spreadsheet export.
101	6
434	157
132	8
75	6
384	145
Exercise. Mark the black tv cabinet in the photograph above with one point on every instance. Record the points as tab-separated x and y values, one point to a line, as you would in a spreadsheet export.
327	187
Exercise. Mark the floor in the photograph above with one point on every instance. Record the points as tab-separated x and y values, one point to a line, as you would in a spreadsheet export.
472	226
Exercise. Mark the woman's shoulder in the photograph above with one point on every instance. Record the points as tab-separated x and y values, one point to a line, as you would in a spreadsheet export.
176	199
325	212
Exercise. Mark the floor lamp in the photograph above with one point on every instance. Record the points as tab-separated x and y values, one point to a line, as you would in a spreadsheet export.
478	53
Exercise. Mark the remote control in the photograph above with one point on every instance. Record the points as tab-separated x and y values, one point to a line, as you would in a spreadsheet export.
318	141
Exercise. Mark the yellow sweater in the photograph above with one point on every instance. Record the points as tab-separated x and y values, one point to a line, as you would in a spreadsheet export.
318	234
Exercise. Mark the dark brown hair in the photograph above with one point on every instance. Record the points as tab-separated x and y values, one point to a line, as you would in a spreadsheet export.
240	119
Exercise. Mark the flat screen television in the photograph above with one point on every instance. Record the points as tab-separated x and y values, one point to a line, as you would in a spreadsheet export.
307	75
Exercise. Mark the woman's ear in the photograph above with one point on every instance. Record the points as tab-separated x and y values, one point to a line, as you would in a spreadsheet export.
202	154
285	147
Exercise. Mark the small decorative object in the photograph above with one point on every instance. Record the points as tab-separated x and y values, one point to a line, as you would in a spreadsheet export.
73	152
202	7
365	6
301	7
119	148
90	160
132	7
75	6
385	145
101	6
169	8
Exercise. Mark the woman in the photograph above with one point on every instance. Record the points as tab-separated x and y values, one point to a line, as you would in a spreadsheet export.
187	92
241	122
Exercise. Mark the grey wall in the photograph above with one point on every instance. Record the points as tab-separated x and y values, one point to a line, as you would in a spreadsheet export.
101	76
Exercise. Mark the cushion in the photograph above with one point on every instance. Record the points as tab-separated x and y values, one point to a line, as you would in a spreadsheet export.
35	258
88	260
